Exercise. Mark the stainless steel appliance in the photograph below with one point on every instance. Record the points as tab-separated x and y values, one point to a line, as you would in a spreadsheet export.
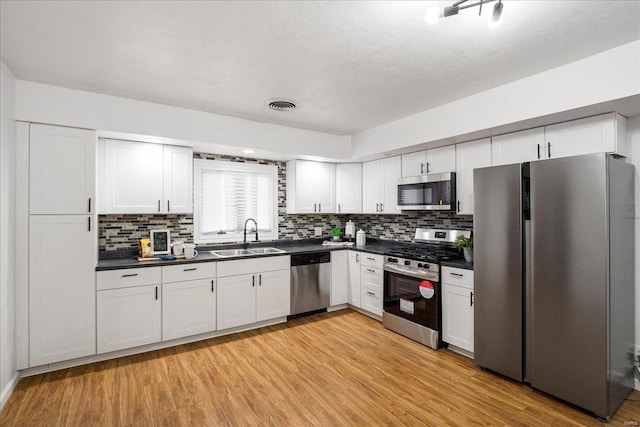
310	282
412	294
554	277
427	192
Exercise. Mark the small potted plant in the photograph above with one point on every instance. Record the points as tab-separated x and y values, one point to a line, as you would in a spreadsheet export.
336	235
466	243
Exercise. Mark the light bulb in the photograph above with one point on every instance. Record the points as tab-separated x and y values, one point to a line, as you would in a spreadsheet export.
497	14
432	16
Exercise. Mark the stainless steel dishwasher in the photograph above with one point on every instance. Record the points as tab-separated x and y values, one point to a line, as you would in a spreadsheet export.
310	282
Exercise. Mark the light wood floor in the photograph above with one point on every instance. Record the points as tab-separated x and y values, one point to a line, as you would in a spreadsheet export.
338	368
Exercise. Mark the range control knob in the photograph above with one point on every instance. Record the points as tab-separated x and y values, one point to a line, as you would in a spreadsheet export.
407	263
420	265
392	260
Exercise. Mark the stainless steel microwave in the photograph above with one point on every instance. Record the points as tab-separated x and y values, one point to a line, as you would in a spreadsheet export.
435	191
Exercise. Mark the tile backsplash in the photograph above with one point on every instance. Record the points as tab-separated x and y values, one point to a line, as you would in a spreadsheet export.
122	232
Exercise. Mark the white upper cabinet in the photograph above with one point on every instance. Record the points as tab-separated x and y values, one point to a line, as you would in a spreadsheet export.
441	160
469	156
380	185
606	133
349	187
414	164
178	179
138	177
518	147
437	160
62	168
311	187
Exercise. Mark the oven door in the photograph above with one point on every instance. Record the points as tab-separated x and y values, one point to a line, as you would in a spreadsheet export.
415	299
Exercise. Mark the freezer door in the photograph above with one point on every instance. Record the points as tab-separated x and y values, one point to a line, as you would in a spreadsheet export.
498	270
569	279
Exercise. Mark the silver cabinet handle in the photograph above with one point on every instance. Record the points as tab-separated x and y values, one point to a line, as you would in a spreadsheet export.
371	259
190	269
339	208
168	206
314	207
130	275
319	207
371	293
421	168
158	205
370	270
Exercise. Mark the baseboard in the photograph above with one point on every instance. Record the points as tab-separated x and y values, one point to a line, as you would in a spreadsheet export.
6	392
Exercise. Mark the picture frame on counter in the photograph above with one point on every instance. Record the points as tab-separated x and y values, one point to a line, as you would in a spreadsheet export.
160	242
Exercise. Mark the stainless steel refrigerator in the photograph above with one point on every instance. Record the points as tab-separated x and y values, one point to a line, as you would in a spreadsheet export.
554	277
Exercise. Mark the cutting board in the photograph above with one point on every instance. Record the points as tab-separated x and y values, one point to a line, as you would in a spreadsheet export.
152	258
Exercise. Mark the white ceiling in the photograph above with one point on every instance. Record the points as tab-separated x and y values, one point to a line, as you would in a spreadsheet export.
349	66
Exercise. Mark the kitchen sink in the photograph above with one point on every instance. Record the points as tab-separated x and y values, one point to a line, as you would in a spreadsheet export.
264	251
231	252
244	252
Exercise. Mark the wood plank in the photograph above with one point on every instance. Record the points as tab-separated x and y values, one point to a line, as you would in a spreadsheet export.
339	368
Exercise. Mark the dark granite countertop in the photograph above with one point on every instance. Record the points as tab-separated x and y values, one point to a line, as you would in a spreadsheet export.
128	259
458	263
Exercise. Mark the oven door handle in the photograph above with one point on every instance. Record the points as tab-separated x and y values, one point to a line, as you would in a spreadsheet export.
401	272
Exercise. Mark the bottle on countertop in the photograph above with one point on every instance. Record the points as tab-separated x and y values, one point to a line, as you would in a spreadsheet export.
361	238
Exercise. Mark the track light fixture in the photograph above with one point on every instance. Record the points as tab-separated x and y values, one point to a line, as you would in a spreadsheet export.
459	5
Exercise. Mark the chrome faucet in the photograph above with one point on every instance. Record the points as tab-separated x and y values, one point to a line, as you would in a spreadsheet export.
245	244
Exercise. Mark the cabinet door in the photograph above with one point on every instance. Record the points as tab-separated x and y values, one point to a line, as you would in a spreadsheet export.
314	184
371	301
371	186
349	188
457	316
339	277
591	135
128	317
62	260
354	278
274	295
188	308
414	164
392	169
133	177
62	170
325	187
236	301
178	179
518	147
469	156
441	160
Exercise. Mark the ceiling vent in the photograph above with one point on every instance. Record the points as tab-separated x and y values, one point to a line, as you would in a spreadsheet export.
281	105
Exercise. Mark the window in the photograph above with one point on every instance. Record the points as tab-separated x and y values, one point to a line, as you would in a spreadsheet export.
226	194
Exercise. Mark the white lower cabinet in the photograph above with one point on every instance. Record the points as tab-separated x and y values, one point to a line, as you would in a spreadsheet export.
353	291
128	317
371	283
188	308
457	307
339	277
261	293
273	295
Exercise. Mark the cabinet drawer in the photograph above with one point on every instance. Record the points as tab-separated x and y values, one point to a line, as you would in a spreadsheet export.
126	278
457	276
253	265
372	260
371	301
372	278
184	272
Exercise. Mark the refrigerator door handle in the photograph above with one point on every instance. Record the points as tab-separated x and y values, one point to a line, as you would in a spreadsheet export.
528	309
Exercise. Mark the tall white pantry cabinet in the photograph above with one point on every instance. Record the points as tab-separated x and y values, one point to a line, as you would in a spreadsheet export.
56	263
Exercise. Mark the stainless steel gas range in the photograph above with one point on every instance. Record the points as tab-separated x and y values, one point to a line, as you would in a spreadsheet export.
412	293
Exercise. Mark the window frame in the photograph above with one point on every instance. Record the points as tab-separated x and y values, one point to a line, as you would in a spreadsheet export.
221	165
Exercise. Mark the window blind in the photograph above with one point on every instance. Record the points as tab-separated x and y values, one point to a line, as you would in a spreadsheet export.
230	193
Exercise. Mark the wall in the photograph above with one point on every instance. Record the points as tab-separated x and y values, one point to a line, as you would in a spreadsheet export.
122	232
56	105
8	374
597	79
